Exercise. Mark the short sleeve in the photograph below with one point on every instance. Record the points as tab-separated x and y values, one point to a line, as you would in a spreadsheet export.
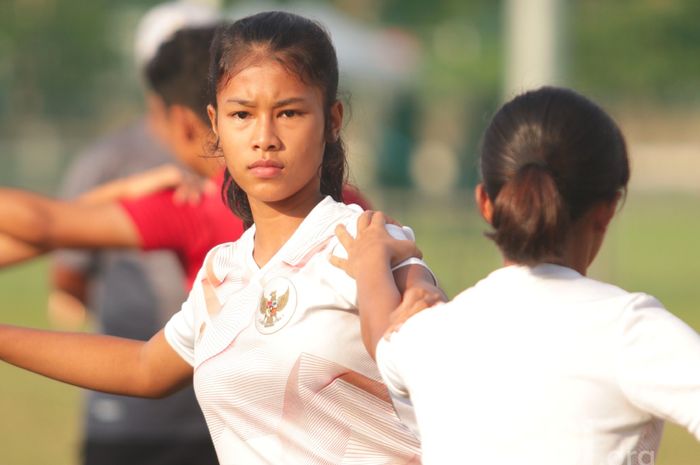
406	233
388	355
658	364
159	221
348	289
389	359
180	330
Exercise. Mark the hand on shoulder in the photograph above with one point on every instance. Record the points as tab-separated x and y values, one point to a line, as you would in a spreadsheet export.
416	299
373	245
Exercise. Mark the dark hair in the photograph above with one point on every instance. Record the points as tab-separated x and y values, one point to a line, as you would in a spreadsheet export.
548	156
305	49
178	72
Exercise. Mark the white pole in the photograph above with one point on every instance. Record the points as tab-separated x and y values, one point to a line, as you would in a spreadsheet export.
533	40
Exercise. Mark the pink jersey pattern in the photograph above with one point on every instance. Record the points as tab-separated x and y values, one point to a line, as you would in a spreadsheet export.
281	373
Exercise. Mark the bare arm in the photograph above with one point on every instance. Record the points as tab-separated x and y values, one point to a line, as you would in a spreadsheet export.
379	290
98	362
136	185
47	224
66	305
16	251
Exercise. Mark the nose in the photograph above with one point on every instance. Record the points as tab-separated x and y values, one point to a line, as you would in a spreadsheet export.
265	137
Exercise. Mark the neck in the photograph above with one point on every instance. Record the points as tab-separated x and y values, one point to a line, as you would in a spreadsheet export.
581	247
205	166
275	222
572	262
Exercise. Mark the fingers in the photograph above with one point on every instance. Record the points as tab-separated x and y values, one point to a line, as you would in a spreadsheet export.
187	194
192	189
364	220
403	250
390	220
403	313
210	187
340	263
417	252
344	236
378	219
415	300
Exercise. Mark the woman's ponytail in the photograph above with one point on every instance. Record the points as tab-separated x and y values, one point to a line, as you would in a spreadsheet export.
530	218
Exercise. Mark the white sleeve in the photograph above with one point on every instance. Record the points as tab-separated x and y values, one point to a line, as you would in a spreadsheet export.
388	355
397	232
658	364
180	331
406	233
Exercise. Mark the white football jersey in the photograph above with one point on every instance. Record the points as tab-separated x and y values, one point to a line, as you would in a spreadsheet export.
281	372
543	366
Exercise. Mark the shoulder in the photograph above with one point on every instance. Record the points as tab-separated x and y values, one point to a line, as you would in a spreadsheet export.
318	229
638	309
222	260
159	203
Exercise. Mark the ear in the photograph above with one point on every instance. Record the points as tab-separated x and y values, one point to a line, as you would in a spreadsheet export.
189	124
157	116
211	111
483	203
603	213
336	120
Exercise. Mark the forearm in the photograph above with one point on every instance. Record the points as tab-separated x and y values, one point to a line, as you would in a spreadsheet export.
15	251
136	185
48	224
377	297
98	362
25	216
109	192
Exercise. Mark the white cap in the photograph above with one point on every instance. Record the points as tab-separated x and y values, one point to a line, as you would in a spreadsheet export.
161	23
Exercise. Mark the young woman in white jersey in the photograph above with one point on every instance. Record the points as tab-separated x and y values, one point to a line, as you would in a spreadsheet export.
536	363
270	331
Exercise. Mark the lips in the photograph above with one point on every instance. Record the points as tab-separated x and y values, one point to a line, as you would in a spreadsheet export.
266	168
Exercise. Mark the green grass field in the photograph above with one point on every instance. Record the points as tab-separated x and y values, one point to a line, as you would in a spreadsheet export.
651	247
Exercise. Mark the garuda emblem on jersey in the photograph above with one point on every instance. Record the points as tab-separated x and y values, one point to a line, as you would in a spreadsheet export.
277	305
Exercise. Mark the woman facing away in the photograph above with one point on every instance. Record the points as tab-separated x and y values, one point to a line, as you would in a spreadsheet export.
536	363
270	333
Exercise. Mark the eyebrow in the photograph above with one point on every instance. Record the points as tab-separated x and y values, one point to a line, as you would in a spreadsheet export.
277	104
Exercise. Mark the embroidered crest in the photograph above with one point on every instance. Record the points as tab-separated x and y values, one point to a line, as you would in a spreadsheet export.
277	305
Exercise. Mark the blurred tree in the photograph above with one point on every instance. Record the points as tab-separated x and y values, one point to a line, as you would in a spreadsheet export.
633	50
56	57
461	72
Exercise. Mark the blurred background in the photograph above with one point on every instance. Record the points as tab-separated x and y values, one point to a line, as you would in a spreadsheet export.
421	80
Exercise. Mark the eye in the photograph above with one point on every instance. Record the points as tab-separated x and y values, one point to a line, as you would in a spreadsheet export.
239	114
289	113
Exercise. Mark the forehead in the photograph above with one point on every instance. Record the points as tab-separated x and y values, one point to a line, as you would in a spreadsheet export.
267	78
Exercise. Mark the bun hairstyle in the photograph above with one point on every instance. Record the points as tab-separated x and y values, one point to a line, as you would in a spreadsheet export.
547	157
305	49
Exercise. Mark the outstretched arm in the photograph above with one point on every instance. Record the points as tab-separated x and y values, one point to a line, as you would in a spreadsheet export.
136	185
67	302
189	188
98	362
371	255
16	251
45	224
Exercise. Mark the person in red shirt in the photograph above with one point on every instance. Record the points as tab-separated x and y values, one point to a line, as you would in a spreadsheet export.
118	214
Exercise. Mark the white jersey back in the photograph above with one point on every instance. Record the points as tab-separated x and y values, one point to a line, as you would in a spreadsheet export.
543	366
